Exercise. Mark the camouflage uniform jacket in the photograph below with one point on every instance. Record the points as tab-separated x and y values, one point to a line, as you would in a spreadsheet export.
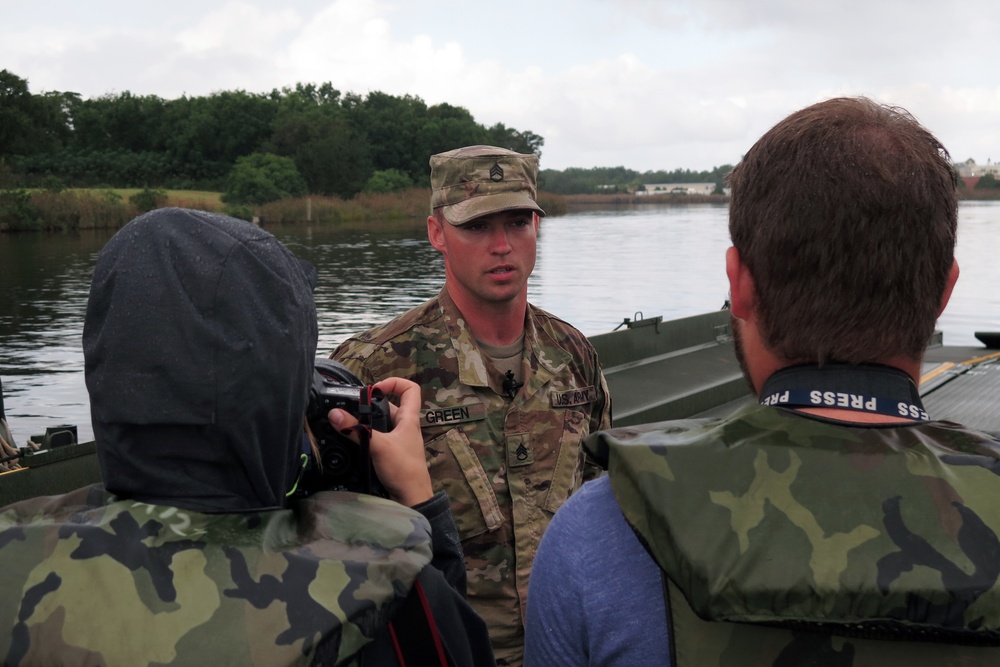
90	579
818	543
506	463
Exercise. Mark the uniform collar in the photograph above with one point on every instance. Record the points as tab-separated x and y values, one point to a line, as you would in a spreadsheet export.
545	357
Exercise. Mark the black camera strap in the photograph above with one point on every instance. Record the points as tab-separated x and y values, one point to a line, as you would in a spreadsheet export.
364	431
365	407
868	388
414	632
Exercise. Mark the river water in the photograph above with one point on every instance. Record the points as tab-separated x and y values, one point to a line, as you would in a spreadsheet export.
593	270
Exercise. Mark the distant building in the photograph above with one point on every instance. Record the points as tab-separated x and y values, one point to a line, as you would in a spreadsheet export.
969	169
677	189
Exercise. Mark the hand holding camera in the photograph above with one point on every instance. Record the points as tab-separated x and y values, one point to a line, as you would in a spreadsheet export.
398	455
363	442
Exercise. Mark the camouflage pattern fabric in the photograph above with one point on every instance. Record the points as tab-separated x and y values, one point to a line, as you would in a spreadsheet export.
92	580
820	543
507	464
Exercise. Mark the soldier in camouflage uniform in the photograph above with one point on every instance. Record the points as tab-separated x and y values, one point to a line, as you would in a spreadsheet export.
199	346
834	523
509	391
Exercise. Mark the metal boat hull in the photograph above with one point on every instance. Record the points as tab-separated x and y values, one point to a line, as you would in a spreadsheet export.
655	371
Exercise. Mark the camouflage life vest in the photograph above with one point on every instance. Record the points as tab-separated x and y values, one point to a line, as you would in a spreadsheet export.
793	541
92	580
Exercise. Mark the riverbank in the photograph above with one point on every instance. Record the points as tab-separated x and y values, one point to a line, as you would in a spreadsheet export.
78	209
615	201
70	210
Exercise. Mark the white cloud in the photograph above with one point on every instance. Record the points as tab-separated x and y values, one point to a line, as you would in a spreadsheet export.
350	43
238	27
646	84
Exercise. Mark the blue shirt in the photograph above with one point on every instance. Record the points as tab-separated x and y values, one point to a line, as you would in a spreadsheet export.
596	596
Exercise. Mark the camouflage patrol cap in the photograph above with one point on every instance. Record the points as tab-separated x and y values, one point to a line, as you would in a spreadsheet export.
475	181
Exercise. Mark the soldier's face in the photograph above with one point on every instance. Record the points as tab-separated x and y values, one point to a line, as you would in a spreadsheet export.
489	258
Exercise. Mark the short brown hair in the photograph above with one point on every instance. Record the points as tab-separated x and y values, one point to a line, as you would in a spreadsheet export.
845	215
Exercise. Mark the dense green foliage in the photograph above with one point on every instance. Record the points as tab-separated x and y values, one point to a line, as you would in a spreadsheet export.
388	180
147	199
987	182
259	178
340	143
17	209
337	141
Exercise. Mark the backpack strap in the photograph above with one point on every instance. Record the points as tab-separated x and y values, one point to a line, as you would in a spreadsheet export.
671	635
414	633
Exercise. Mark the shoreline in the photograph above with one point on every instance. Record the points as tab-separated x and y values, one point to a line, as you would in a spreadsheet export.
574	202
613	201
75	210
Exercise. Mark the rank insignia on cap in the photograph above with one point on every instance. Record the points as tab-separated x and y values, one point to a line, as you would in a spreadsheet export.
496	172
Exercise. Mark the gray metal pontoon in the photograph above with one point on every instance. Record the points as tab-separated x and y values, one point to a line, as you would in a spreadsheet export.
655	370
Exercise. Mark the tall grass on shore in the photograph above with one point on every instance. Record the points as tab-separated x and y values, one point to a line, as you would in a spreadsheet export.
70	210
410	204
394	205
106	208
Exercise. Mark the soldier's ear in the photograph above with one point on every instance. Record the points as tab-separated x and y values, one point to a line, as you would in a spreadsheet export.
742	297
435	234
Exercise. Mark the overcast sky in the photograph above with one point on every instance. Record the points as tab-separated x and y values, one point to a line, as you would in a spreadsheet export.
643	84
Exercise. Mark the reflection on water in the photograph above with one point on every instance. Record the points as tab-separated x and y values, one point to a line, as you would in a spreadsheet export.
593	270
43	292
975	303
366	276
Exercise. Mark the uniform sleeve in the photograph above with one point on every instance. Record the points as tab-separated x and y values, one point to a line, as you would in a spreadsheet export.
600	418
350	354
448	556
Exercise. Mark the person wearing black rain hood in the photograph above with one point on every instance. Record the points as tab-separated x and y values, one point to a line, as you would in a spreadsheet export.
199	348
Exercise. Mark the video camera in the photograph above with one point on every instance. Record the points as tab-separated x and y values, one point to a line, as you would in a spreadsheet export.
343	465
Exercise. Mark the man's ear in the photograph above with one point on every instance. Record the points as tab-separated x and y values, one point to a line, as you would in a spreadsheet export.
949	286
435	234
742	297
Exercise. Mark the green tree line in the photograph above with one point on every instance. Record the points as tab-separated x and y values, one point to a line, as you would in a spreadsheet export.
251	144
338	142
574	181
